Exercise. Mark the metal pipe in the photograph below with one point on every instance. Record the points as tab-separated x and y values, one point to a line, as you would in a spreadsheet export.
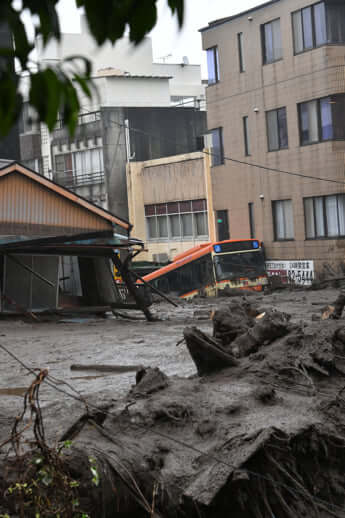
155	289
38	275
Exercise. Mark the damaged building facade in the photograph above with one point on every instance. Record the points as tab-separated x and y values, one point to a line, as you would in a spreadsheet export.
93	163
142	110
276	74
56	248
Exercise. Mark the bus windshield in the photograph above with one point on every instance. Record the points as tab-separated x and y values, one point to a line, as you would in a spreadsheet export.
246	264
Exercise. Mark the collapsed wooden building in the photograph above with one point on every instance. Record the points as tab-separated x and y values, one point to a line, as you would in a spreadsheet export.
58	250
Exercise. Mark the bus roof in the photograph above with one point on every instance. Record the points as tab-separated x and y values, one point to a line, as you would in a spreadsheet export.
190	255
191	251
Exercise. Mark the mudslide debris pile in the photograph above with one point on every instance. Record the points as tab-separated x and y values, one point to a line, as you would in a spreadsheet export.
258	433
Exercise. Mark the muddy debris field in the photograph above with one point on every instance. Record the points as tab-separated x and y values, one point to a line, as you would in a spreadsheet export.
232	406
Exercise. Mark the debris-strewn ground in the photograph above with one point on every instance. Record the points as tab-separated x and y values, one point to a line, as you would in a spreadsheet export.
264	437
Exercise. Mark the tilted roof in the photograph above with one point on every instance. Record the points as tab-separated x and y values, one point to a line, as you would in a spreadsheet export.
10	168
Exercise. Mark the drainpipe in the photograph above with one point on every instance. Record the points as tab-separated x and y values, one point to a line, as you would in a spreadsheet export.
127	139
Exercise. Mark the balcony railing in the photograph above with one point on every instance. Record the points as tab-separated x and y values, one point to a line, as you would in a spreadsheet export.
71	180
84	118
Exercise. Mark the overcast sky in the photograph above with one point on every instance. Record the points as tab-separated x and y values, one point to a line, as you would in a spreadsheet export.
166	37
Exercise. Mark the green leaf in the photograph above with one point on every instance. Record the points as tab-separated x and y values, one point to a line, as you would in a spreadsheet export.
70	105
45	95
94	471
178	7
83	85
51	91
21	42
45	477
86	62
10	101
108	19
143	19
97	15
49	25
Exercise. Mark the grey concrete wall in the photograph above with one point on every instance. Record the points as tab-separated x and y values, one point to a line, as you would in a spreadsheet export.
114	156
154	133
174	131
30	146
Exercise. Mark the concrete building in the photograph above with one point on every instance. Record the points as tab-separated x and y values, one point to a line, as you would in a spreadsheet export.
93	163
183	79
170	204
133	117
276	98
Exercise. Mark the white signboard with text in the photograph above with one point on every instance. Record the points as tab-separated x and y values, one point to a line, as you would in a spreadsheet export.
294	272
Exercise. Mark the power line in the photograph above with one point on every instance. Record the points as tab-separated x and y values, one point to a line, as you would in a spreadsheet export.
235	160
275	170
294	491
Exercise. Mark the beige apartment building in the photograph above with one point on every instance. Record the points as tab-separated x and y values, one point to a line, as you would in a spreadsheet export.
276	99
170	204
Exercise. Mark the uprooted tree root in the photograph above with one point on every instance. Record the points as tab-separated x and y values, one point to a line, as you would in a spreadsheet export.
287	478
37	480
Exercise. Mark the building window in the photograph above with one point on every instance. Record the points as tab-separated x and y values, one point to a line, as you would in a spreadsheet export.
177	220
322	119
63	163
283	220
335	21
217	154
277	133
36	165
213	65
79	167
251	220
246	136
318	24
240	51
272	49
223	225
325	216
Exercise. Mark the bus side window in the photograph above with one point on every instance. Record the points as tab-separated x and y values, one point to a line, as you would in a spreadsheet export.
206	271
210	272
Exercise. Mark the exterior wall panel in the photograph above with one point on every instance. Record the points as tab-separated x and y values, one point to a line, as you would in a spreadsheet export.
28	207
177	178
294	79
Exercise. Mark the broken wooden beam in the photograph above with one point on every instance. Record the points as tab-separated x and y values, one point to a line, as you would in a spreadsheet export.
334	310
105	368
206	353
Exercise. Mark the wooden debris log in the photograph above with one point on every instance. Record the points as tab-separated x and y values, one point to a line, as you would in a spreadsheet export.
334	310
105	368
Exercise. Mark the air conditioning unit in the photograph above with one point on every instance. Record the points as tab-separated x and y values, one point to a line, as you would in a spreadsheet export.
160	258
